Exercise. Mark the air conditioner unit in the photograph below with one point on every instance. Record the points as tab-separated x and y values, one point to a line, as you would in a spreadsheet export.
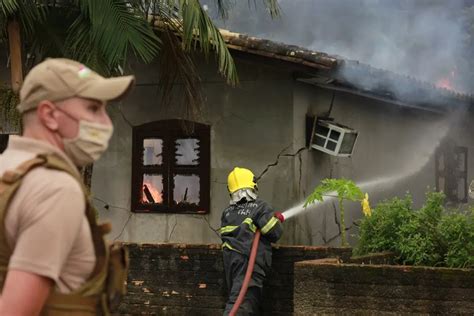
333	138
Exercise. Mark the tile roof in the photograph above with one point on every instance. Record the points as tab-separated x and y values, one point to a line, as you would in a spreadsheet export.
337	72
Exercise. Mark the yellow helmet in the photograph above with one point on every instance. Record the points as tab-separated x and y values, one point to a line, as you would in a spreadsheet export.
240	178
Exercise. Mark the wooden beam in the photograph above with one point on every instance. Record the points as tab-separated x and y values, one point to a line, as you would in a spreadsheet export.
14	39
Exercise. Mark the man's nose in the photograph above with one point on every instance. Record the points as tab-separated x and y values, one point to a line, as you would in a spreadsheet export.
105	119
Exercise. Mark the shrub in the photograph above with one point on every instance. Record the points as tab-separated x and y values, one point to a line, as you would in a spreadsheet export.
457	231
378	232
428	236
418	242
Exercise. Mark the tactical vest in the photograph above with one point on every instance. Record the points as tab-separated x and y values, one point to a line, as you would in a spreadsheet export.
103	290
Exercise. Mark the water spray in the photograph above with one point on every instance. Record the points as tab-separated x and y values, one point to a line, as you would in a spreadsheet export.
426	147
296	210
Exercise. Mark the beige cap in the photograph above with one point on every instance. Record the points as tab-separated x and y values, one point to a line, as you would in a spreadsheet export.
59	78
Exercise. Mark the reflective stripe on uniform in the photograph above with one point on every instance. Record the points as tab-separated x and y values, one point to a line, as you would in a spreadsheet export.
227	229
227	245
249	222
269	225
231	228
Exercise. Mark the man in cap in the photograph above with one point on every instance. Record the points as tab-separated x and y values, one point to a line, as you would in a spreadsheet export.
240	220
52	254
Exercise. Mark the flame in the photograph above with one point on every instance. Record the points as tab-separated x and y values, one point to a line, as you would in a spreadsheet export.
445	84
447	81
155	193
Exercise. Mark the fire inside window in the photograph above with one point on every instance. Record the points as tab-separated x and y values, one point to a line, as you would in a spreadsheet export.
171	167
451	172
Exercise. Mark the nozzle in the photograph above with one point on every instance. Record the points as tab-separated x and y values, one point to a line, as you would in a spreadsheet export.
280	216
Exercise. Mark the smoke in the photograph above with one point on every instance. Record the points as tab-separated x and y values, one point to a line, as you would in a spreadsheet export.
428	40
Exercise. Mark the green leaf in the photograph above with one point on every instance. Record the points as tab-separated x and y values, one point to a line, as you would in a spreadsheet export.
9	7
29	14
112	34
198	31
342	188
224	6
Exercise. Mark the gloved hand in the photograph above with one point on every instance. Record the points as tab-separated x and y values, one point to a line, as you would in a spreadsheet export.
280	216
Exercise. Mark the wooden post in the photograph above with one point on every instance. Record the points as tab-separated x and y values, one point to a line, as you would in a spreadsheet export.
87	175
14	39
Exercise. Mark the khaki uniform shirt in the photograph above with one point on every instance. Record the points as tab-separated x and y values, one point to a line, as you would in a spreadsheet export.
46	225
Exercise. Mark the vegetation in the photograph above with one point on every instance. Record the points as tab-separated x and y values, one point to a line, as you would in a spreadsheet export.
430	236
9	116
344	190
102	34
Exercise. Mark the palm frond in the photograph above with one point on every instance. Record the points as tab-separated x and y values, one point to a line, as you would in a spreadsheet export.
49	38
9	7
198	29
29	13
272	7
224	6
117	32
176	69
81	47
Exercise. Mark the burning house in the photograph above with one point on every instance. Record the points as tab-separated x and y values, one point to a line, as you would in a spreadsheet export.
164	179
298	116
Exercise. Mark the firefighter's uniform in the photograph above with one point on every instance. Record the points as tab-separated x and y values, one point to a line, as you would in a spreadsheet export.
238	225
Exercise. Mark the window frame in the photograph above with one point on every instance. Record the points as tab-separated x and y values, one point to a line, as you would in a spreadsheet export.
169	131
447	174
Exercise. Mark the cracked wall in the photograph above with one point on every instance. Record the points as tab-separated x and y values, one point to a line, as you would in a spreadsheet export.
395	146
261	125
250	124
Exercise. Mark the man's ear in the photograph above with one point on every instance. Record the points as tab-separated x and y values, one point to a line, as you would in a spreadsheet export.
46	115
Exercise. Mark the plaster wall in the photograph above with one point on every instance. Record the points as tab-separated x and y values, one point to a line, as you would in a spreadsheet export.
250	125
394	154
262	122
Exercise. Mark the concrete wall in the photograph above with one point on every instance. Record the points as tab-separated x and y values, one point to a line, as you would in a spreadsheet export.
393	154
250	125
254	123
327	288
179	279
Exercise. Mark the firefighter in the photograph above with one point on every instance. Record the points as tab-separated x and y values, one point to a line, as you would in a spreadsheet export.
240	220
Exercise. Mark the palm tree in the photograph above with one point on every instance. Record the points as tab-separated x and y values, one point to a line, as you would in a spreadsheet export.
103	33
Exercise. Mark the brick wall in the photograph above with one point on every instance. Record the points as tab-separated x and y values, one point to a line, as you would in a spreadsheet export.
329	287
178	279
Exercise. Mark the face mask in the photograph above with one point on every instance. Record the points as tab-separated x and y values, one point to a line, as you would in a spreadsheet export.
90	143
248	194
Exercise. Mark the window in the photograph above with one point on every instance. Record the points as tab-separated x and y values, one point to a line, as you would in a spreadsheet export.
451	172
3	142
171	167
330	137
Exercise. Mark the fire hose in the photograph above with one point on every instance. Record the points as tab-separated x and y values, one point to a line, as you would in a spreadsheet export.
250	266
248	274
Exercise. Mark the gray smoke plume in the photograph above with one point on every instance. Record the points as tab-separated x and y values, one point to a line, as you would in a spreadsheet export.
427	39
